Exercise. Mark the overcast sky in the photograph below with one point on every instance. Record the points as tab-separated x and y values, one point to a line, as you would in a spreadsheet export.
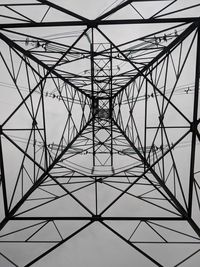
67	109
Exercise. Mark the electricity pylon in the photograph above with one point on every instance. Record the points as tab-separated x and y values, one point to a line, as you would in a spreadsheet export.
100	124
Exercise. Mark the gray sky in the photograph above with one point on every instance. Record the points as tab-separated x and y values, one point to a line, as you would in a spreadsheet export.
65	106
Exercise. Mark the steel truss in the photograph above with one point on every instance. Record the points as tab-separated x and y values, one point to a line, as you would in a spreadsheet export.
97	129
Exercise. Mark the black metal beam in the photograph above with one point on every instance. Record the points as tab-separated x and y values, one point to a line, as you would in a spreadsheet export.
96	218
94	23
147	21
3	179
63	10
194	125
94	108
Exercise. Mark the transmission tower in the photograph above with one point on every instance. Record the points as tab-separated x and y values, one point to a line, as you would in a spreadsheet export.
99	131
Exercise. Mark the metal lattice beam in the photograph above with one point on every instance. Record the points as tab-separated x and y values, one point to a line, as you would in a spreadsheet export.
99	127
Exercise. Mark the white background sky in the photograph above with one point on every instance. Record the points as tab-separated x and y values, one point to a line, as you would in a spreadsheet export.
96	245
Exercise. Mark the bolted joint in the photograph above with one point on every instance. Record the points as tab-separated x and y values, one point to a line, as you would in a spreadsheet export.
100	180
96	218
161	118
92	24
193	127
34	123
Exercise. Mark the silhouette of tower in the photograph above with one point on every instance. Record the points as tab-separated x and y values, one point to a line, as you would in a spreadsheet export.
99	125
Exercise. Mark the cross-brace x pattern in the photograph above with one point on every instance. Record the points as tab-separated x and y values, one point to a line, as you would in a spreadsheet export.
99	131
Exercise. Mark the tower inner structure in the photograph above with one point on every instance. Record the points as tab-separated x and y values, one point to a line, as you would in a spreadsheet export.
99	133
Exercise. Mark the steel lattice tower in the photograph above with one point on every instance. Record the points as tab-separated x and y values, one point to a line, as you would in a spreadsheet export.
99	129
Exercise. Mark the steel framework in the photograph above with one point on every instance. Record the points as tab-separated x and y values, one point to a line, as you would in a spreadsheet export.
100	124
